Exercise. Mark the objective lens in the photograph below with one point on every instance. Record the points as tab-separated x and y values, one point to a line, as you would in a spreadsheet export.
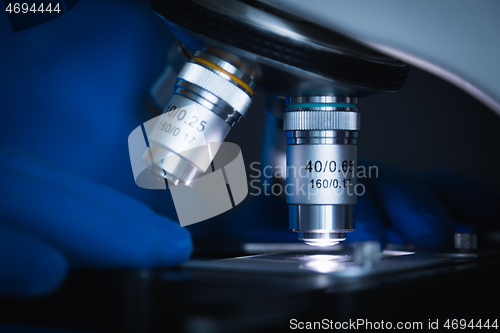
321	134
210	97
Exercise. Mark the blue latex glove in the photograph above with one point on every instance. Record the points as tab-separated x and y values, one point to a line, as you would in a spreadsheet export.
400	208
424	210
72	91
53	219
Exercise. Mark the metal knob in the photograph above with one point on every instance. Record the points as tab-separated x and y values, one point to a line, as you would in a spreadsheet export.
465	241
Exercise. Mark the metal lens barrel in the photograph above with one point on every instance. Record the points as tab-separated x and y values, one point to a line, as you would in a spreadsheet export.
321	134
211	95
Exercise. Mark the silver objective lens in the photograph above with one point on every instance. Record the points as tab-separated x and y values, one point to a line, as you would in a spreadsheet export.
321	134
210	96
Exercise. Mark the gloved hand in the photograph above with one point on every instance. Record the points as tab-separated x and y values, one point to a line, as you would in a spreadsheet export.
423	210
72	91
52	219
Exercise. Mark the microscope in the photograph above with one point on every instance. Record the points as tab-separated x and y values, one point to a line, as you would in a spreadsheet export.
314	61
313	79
313	76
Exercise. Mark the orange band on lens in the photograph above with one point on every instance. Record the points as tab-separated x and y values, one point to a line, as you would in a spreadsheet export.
232	76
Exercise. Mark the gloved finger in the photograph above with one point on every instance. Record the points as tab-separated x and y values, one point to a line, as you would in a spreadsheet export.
468	200
412	209
369	221
92	224
29	267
